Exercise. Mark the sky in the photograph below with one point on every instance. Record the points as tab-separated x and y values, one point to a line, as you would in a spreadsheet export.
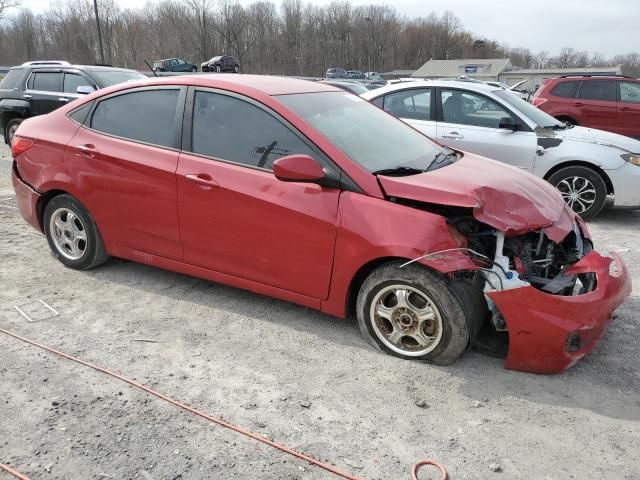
608	27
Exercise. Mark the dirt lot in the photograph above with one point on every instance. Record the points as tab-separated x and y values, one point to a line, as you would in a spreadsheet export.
289	373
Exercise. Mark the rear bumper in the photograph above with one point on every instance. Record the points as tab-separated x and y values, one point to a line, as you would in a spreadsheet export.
541	325
26	199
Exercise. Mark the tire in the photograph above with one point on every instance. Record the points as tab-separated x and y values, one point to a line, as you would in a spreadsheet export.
582	188
218	69
194	69
567	120
10	129
60	227
236	68
427	295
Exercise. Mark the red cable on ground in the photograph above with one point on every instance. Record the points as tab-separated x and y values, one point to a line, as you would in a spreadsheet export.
418	465
218	421
11	471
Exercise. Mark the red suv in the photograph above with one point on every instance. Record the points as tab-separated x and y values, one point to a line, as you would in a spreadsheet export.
609	103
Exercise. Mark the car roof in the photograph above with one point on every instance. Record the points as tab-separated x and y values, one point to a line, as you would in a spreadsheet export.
478	87
90	68
266	84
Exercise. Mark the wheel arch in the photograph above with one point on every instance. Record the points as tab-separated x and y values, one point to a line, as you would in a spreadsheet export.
564	117
582	163
44	200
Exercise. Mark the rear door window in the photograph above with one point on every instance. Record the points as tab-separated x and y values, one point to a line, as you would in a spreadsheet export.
414	104
602	90
147	116
629	92
232	129
565	89
45	81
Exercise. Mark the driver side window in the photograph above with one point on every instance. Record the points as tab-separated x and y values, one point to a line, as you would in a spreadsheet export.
466	108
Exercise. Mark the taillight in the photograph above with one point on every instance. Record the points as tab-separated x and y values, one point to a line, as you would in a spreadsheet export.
20	145
539	101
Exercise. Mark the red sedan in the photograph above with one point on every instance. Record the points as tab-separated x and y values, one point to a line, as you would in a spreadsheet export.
307	193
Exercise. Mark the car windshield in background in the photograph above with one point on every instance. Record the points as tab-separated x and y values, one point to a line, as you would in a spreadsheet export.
367	135
11	80
532	112
111	77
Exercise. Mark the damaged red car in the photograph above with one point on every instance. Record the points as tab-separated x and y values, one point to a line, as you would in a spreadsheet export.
304	192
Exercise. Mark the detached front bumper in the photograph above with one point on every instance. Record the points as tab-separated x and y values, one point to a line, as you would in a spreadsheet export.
549	333
26	199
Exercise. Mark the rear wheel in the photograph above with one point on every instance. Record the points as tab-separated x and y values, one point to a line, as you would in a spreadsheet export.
72	234
194	69
582	188
412	313
10	129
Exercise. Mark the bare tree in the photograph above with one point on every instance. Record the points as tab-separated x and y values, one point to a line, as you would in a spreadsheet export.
6	5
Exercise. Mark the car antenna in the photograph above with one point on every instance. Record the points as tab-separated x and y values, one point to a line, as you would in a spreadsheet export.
152	70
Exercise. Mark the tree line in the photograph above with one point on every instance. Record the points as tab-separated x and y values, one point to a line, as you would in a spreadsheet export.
292	38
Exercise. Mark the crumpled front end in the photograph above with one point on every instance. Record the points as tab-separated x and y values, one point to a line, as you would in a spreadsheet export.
549	333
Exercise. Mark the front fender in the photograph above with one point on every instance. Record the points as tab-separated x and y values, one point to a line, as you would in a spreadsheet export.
371	228
601	156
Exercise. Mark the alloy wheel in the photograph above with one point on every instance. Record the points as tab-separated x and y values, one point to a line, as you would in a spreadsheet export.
406	320
68	233
578	192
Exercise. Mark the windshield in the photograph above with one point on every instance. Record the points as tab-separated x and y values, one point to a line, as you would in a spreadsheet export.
533	113
107	78
366	134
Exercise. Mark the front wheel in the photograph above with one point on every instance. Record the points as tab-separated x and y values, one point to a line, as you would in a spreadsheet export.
236	68
194	69
582	188
412	313
218	69
72	234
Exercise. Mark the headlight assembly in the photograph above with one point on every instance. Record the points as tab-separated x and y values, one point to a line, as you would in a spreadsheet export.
632	158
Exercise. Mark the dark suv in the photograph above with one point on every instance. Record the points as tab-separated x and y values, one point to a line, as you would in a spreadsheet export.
35	88
221	63
609	102
174	65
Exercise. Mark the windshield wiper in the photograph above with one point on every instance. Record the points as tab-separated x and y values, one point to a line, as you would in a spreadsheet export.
440	160
398	171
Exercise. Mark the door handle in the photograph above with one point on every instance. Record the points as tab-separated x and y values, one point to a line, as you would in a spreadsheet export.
87	150
453	136
27	96
578	104
625	109
203	180
63	99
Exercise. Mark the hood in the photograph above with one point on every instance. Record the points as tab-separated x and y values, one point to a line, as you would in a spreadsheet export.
504	197
600	137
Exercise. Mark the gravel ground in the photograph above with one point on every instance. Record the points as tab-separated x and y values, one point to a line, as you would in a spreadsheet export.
292	374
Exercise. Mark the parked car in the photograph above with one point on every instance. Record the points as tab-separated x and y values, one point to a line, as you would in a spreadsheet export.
586	165
336	73
35	88
523	94
374	76
326	201
609	103
352	86
221	63
355	74
174	65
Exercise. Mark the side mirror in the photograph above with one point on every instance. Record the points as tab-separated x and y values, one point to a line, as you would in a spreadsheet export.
507	123
298	168
85	89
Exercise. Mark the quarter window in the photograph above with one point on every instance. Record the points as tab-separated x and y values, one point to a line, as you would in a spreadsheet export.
630	92
603	90
466	108
414	104
565	89
146	116
72	81
231	129
45	81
